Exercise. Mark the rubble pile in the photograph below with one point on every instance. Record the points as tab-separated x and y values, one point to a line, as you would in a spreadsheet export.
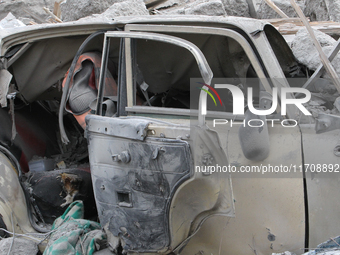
199	7
10	21
26	10
72	10
122	8
324	93
214	8
236	8
323	10
266	12
75	9
305	52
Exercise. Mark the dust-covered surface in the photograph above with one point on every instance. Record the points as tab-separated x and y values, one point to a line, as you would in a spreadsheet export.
76	9
211	8
10	21
18	246
26	8
266	12
323	10
325	96
306	53
31	11
123	8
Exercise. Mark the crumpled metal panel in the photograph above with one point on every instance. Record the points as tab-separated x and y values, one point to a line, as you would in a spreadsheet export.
134	181
147	193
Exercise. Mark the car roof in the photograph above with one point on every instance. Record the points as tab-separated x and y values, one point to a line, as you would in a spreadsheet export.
19	35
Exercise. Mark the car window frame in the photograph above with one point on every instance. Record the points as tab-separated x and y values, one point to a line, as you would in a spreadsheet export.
202	63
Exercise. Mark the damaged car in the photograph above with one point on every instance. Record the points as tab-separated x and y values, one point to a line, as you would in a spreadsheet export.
122	115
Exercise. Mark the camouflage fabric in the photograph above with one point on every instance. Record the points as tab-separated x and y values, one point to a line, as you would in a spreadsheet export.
74	235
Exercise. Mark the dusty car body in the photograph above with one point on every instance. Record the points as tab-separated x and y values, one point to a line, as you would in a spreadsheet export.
145	142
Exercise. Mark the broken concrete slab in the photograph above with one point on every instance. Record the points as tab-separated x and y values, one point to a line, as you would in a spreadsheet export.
198	7
266	12
305	51
213	8
72	10
316	10
20	246
321	10
26	9
125	8
334	10
236	8
10	21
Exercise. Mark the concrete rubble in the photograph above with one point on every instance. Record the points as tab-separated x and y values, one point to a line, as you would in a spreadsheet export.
10	21
316	10
324	93
266	12
26	10
323	10
71	10
20	246
306	53
236	8
213	8
199	7
123	8
74	9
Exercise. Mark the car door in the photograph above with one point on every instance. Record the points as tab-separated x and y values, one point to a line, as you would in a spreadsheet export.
148	196
263	202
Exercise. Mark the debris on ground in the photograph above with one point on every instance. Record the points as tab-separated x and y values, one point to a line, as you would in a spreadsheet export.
18	246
